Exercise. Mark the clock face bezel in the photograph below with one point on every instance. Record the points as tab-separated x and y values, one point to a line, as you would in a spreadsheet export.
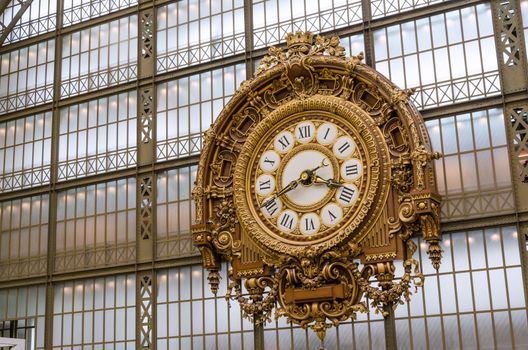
372	153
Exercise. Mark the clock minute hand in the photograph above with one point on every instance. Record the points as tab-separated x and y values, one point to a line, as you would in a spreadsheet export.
293	184
332	183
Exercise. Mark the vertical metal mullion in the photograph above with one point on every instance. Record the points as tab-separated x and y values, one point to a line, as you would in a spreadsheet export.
211	37
72	311
115	308
85	213
125	311
93	281
167	305
52	200
109	45
459	328
179	301
20	208
487	269
29	228
105	184
248	31
441	313
353	334
338	341
474	314
215	299
3	144
403	55
103	309
411	339
475	152
368	40
504	268
19	89
14	150
388	329
33	146
83	293
27	65
76	248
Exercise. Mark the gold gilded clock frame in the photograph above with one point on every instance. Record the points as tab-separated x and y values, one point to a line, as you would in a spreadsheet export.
317	282
375	185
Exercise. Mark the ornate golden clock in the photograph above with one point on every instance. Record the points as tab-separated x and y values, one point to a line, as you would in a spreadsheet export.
308	176
316	165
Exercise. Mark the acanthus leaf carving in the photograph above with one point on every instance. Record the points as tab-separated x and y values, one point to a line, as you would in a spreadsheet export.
222	227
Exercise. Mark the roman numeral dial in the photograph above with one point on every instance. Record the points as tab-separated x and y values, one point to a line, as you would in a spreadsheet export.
265	185
323	161
305	132
284	142
351	169
269	161
331	214
347	195
326	133
344	147
272	207
287	221
309	224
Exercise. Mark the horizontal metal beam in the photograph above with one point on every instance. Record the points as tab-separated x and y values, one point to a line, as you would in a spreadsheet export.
422	12
435	112
490	221
70	29
473	105
99	178
103	92
45	107
94	272
354	29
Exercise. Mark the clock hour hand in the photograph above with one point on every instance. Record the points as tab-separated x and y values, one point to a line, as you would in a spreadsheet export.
293	184
308	176
322	165
332	183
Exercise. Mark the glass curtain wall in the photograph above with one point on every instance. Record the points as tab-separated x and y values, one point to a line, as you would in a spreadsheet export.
77	186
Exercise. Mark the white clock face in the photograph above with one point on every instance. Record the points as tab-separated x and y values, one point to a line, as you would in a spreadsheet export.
308	177
308	195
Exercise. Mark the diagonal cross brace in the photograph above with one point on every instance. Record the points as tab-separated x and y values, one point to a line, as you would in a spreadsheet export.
14	21
3	5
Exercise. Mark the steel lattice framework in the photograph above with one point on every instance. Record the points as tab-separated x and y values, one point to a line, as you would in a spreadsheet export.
141	256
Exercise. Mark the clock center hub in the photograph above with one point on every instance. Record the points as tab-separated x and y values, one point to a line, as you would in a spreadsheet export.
297	165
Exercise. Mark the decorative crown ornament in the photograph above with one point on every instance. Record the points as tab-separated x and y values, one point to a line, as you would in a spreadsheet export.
317	166
299	41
